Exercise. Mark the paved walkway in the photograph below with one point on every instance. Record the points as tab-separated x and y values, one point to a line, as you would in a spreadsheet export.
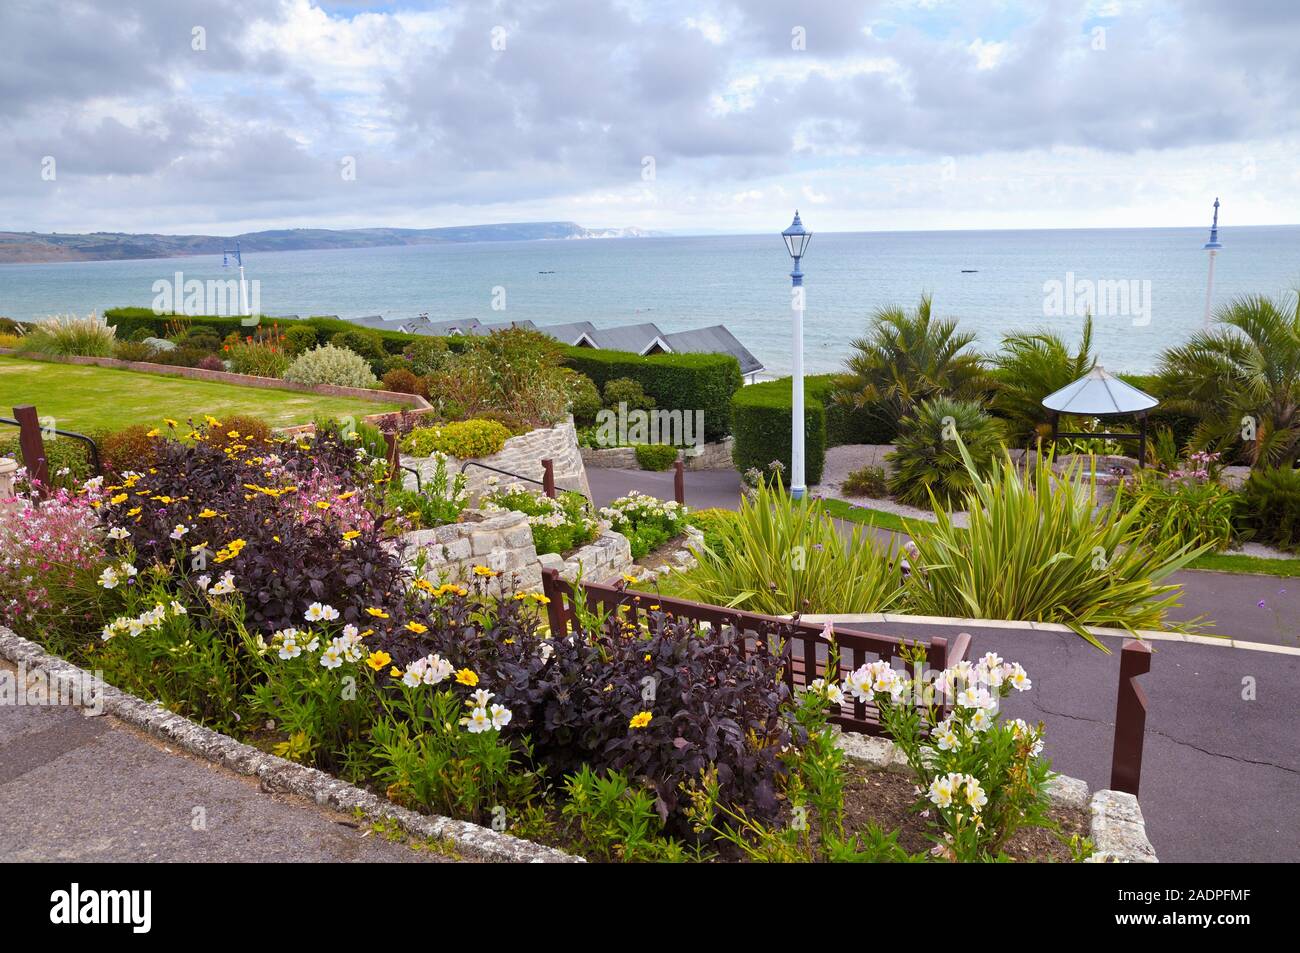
78	788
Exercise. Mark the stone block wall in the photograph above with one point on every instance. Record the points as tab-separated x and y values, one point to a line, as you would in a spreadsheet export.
500	541
609	556
522	455
710	456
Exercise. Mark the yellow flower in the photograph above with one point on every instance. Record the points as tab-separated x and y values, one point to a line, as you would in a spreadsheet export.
207	514
377	613
483	571
134	511
640	719
630	580
351	535
540	599
119	498
467	677
170	423
378	660
346	496
417	627
422	584
155	432
322	504
647	656
233	434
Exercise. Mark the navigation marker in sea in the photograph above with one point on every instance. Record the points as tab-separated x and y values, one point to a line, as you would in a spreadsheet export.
1212	246
243	288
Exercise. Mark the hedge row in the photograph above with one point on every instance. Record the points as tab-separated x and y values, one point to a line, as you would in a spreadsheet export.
686	382
129	320
761	420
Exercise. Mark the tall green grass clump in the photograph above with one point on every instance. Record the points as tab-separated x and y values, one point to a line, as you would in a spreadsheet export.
781	555
70	336
1038	549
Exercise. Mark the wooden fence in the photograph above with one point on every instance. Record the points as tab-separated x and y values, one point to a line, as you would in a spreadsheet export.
808	645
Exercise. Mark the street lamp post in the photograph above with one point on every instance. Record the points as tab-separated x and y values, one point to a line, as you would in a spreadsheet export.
1212	246
796	242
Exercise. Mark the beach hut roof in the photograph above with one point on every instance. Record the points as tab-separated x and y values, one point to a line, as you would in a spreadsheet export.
716	339
1099	394
485	329
568	333
637	338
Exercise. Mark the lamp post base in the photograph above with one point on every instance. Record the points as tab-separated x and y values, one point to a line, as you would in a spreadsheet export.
798	492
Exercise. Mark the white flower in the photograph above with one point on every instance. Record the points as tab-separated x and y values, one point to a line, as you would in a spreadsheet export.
178	531
117	532
477	722
975	697
109	578
225	585
946	738
204	581
289	649
350	631
975	795
500	716
1019	679
332	657
479	699
317	612
178	609
941	790
981	720
546	651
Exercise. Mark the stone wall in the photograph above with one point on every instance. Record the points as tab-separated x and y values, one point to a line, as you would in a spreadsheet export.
522	455
8	467
500	541
608	557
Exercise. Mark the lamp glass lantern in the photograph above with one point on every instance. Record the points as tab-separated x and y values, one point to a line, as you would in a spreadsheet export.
796	238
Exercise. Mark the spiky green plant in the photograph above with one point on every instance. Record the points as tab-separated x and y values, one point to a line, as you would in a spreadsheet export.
907	357
1031	365
1037	549
782	555
928	466
1248	366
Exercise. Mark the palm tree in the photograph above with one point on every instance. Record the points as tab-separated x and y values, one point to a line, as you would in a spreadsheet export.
907	358
1242	376
1031	365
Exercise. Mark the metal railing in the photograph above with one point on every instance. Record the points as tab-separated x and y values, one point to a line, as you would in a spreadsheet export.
31	441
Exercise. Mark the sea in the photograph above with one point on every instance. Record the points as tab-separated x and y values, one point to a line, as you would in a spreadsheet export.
1145	287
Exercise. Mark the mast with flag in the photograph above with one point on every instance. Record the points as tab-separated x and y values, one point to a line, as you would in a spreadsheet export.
1212	246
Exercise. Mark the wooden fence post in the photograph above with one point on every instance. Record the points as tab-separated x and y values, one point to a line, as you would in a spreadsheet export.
679	482
1130	718
33	446
555	614
394	457
548	477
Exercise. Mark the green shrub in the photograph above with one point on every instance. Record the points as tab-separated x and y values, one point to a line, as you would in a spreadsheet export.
845	422
402	381
131	448
182	357
584	398
559	525
927	459
440	500
259	360
331	365
1187	509
655	456
61	454
867	481
686	382
624	390
512	375
427	355
134	351
761	417
70	336
1269	507
784	555
299	337
366	343
1037	549
464	439
200	336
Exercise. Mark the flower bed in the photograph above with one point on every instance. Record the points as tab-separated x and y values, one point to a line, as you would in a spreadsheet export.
254	584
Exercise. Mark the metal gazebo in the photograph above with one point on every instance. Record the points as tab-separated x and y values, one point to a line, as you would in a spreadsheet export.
1099	394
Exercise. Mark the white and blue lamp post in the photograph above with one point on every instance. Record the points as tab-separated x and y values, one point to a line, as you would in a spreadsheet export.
796	242
1212	246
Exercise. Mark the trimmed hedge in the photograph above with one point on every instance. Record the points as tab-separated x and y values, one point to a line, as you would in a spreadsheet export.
685	382
761	424
129	320
847	424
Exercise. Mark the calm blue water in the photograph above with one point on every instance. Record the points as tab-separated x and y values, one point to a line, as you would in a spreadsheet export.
740	281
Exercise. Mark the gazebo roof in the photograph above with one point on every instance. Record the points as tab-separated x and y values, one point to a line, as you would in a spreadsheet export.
1099	394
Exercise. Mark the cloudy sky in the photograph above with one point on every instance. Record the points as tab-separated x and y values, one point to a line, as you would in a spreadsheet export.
219	116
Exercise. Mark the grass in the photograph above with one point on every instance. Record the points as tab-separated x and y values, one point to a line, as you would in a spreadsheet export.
97	399
1210	562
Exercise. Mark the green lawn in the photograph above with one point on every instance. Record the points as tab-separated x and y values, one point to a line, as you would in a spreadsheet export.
1212	562
97	399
